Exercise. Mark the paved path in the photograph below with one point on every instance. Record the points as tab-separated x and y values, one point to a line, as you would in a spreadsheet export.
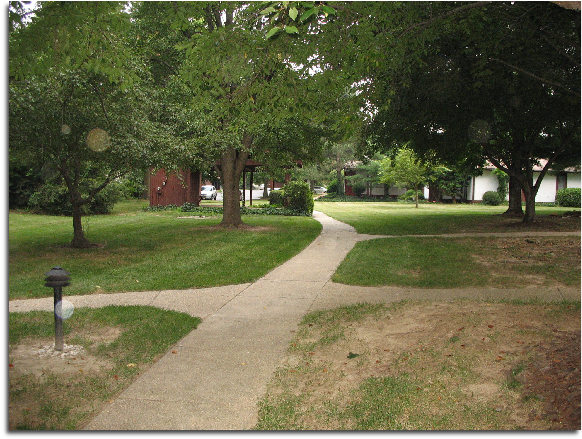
220	370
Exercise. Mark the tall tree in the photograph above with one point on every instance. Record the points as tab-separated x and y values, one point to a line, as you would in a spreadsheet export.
242	86
504	83
80	127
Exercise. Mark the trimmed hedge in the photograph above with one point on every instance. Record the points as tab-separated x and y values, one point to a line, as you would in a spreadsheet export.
491	198
568	197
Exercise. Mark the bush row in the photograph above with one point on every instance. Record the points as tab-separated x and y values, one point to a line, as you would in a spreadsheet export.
262	210
348	198
568	197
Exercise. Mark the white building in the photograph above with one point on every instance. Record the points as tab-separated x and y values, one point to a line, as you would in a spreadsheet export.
552	182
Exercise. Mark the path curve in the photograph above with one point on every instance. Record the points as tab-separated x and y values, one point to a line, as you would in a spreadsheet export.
214	377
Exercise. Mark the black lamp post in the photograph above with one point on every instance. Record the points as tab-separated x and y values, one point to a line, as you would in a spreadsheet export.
58	278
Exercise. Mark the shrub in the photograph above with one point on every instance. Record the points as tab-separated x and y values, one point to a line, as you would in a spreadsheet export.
568	197
359	188
51	199
298	197
276	198
491	198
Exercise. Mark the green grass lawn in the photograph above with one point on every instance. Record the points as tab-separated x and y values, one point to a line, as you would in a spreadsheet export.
404	219
462	262
459	262
143	251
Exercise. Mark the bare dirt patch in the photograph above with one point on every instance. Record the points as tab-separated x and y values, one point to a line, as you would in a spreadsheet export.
476	365
532	261
41	377
40	359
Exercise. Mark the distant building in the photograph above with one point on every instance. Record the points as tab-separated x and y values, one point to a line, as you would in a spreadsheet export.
477	186
174	188
552	182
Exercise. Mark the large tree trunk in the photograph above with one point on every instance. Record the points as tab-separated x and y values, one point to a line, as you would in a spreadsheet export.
514	208
232	163
530	203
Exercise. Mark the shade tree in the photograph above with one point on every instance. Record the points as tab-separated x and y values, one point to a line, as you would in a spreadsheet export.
503	86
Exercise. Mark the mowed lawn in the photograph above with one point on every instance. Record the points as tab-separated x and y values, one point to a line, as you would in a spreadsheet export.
432	262
404	219
143	251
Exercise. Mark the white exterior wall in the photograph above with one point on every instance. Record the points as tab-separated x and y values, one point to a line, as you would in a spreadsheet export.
546	194
548	188
573	179
483	183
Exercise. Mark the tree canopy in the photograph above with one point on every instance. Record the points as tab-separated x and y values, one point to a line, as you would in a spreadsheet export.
502	86
463	82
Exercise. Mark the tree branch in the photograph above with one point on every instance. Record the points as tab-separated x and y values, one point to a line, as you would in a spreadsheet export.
101	100
544	80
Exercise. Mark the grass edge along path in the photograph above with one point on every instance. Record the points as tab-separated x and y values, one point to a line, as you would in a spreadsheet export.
463	262
397	218
150	251
124	340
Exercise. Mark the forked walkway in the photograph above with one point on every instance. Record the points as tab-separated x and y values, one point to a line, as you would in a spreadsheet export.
214	377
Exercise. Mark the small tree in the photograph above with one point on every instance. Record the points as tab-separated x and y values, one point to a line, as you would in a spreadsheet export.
80	130
405	170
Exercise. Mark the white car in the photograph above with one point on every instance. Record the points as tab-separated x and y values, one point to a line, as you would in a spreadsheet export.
319	190
208	193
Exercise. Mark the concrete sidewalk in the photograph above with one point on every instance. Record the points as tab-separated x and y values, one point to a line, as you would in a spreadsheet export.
220	370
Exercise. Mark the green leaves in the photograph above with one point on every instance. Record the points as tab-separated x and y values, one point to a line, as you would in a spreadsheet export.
280	13
307	14
274	31
406	170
